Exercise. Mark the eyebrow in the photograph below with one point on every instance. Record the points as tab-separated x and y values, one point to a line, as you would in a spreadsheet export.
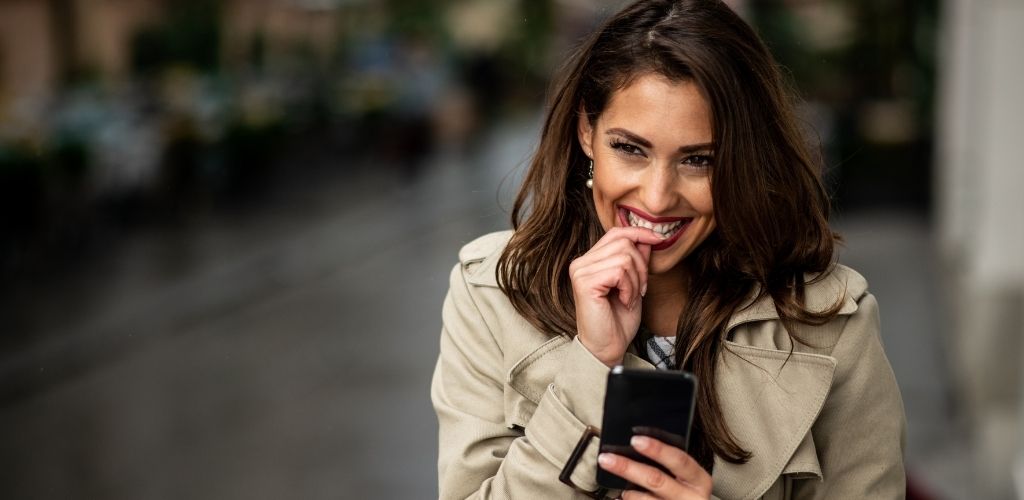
691	148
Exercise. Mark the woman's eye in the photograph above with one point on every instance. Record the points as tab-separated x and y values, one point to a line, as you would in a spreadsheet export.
627	148
699	160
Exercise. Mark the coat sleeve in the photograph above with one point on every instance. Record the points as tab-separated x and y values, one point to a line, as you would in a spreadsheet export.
861	431
480	455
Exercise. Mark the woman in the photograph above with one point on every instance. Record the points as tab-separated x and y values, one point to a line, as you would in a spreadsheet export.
672	218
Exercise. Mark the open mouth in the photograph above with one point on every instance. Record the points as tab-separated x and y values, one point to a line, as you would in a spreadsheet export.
665	229
669	228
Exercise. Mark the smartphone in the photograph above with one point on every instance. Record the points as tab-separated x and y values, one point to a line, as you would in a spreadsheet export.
655	403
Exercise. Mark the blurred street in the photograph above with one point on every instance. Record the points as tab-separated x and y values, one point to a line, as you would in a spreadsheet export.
286	351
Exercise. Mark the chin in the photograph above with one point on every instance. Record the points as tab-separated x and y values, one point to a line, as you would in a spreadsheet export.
665	266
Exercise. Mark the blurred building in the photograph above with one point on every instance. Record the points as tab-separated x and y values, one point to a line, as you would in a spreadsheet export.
151	101
72	69
153	106
980	221
44	41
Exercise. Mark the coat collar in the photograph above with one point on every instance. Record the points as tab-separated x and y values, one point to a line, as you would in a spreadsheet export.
480	257
842	284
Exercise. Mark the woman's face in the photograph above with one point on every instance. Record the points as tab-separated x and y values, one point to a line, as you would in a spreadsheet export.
652	154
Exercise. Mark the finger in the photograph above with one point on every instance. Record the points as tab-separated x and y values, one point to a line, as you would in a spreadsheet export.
637	495
645	257
637	235
624	255
600	278
614	250
645	252
655	481
633	236
681	464
612	246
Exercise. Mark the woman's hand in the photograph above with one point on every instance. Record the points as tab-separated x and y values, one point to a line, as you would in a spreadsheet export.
608	283
688	480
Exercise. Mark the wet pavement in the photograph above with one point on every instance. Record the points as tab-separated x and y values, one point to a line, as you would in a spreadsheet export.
286	352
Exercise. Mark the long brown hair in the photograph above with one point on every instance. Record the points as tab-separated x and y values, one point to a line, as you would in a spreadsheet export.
770	206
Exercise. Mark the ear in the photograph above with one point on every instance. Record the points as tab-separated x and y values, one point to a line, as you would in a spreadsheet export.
585	133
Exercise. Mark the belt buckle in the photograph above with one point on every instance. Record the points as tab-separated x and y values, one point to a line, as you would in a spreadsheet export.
565	476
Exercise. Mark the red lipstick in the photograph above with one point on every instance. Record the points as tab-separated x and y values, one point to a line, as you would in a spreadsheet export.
650	217
671	240
667	242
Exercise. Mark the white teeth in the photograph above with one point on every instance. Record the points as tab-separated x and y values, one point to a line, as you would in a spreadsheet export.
665	229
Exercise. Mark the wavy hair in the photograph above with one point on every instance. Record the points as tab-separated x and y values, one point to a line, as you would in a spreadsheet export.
770	205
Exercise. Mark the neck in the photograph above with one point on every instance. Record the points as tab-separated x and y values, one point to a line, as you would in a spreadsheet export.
665	300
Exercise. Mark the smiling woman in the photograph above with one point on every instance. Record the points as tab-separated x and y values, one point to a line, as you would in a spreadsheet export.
672	218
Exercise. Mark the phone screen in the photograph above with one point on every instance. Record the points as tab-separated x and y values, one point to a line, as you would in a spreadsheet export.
655	403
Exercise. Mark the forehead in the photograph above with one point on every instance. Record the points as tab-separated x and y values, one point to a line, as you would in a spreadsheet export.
666	112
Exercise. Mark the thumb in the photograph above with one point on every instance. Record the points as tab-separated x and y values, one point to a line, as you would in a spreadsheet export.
645	253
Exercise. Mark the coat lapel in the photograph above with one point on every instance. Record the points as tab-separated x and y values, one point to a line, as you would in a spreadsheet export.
770	403
771	397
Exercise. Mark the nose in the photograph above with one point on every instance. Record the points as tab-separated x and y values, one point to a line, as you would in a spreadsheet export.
659	193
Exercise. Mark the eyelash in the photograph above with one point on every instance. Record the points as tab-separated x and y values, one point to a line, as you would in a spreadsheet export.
701	161
625	147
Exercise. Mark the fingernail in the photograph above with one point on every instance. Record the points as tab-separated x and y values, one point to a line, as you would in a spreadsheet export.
606	460
640	442
643	290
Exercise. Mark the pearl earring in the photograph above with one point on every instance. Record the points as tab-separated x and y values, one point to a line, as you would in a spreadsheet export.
590	175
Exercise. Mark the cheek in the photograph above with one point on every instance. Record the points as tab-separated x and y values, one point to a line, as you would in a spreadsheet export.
608	217
700	198
609	187
707	206
601	203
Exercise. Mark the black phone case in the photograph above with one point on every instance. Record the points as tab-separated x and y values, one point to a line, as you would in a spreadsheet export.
655	403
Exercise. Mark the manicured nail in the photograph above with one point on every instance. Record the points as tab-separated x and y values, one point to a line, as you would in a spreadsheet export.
640	442
606	460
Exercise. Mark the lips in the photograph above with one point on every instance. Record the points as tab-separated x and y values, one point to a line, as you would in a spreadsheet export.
665	229
670	228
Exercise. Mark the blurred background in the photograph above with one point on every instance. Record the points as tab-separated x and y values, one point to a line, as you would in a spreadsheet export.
226	226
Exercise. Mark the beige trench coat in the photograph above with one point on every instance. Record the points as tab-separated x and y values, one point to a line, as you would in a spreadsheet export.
512	402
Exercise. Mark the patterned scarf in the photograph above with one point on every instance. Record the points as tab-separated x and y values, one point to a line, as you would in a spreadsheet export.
661	350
